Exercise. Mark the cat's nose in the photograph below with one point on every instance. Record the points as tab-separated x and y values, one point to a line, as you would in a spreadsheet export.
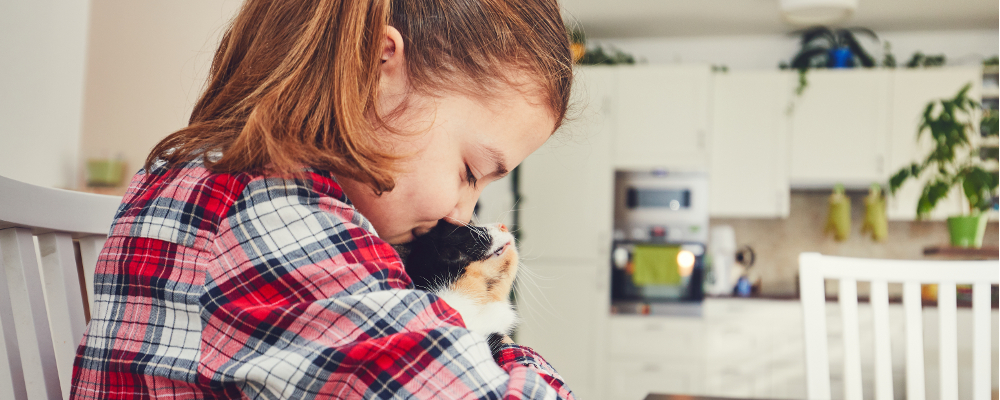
503	228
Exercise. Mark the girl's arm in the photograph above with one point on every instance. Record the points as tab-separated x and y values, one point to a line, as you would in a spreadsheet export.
304	301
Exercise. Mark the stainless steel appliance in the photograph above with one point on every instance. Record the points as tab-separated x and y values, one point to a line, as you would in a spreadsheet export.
661	228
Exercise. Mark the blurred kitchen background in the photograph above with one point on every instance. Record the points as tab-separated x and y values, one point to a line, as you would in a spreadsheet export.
710	143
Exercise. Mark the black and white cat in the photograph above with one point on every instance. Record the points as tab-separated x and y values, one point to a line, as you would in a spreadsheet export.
472	268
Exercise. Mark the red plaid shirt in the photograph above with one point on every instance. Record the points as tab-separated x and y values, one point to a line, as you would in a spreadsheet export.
246	286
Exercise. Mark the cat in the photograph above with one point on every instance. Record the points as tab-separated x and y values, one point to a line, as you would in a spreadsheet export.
472	268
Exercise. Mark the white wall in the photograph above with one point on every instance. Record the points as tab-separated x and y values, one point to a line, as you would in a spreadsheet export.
967	47
42	58
147	64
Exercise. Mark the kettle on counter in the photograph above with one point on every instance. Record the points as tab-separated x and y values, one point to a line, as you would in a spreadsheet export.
729	263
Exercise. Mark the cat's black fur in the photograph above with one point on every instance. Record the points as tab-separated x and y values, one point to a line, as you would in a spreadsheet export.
441	255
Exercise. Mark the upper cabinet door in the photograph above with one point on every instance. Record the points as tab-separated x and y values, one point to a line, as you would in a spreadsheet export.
567	185
749	163
662	117
839	128
912	89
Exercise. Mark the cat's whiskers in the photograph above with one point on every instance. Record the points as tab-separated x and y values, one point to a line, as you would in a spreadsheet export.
534	303
483	238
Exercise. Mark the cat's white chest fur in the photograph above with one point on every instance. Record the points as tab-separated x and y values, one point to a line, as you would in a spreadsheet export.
484	319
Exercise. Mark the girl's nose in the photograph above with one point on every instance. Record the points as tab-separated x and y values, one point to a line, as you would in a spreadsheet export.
462	213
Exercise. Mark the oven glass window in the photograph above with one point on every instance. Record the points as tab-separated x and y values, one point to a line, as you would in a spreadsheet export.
674	199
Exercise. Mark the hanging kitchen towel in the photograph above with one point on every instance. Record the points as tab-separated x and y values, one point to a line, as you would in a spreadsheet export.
838	219
876	222
655	265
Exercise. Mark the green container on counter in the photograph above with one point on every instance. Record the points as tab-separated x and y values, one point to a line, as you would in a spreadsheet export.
967	230
105	172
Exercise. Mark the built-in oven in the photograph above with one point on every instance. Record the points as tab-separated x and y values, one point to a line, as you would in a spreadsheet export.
660	232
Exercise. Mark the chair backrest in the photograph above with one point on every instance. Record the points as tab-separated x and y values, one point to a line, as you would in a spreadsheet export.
43	311
814	268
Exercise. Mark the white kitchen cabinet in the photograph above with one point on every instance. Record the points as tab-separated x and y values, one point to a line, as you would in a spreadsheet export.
655	354
754	348
748	174
662	115
635	380
566	220
840	127
560	305
566	186
738	348
652	338
911	91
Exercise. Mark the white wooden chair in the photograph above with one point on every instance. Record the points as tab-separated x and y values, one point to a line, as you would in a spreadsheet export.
814	268
43	311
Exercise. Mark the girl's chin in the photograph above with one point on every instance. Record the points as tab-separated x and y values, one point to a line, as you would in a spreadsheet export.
402	238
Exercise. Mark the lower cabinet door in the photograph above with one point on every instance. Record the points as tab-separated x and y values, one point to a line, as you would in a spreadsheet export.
733	382
557	304
634	380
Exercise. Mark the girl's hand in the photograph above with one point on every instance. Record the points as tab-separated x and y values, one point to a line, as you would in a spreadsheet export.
506	339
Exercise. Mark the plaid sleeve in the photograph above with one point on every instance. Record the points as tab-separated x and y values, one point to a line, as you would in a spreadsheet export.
512	357
303	300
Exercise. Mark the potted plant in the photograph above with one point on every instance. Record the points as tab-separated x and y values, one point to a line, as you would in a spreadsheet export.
954	161
832	48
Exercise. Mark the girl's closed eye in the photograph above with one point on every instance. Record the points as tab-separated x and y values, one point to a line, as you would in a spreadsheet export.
470	178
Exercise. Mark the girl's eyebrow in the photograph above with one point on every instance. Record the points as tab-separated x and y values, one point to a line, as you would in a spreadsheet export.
497	157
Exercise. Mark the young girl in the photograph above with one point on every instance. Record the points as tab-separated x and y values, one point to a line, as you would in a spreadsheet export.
251	256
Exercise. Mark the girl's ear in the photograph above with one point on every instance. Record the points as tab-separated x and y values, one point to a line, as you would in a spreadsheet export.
393	70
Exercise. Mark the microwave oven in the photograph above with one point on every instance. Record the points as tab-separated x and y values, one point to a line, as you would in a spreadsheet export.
660	232
661	206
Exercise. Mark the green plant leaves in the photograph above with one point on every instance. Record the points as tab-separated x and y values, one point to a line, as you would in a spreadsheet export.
950	124
990	125
979	186
934	191
818	41
897	180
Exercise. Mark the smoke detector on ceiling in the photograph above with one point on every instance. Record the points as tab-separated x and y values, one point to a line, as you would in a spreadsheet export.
817	12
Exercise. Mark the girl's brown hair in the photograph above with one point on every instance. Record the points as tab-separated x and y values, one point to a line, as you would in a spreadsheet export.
294	82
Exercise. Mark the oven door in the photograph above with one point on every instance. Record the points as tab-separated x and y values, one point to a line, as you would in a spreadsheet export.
657	272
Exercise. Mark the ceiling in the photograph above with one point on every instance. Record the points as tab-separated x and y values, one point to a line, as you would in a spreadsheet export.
649	18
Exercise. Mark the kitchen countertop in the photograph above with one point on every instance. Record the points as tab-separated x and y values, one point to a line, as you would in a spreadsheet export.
961	302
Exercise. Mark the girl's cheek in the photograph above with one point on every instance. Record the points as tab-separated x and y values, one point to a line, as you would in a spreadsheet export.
438	201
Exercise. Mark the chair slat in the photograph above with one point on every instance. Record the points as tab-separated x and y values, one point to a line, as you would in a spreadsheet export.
981	341
814	268
13	372
813	295
852	347
62	288
883	353
912	304
90	248
34	338
948	328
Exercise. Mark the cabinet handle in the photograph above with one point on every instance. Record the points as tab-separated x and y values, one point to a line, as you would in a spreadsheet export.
651	368
879	163
701	139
